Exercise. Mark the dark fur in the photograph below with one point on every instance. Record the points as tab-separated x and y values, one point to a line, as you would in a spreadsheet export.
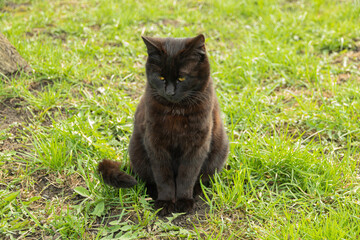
178	134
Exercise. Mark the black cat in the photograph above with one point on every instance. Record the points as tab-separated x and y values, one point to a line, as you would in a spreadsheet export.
178	134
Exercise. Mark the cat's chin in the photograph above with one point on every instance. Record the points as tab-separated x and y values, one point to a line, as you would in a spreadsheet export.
171	100
174	101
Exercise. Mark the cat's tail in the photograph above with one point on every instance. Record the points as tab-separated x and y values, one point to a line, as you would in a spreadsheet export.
113	176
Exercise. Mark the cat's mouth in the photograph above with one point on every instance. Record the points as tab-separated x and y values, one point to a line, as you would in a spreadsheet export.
184	101
166	99
173	99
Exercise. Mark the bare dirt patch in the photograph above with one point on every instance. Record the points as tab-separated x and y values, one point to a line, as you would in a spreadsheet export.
13	115
50	31
349	62
347	58
163	23
197	215
343	78
39	30
50	186
12	110
36	191
171	22
12	142
15	7
289	96
58	34
9	172
40	85
95	27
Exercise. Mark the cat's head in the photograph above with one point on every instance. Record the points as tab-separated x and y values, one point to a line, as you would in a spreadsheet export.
176	68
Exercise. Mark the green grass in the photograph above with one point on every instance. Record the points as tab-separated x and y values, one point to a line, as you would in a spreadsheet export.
287	76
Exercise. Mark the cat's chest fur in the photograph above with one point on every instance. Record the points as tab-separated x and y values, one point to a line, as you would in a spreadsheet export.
178	128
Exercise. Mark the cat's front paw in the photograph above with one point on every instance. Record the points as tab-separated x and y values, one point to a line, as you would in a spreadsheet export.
167	207
184	205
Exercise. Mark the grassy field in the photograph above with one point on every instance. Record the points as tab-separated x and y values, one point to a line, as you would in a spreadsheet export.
287	76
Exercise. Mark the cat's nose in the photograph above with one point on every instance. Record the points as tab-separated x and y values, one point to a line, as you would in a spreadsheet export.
170	89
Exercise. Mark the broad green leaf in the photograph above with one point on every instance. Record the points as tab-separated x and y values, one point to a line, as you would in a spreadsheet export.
99	209
82	191
11	196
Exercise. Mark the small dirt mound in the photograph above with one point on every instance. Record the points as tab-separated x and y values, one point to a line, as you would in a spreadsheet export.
12	111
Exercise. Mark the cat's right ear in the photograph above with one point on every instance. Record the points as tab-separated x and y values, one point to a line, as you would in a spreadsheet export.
153	45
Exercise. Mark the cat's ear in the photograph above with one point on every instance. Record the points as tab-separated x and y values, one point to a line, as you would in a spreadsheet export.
153	45
197	45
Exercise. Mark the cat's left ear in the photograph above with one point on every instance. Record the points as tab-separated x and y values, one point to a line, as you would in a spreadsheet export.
153	44
197	44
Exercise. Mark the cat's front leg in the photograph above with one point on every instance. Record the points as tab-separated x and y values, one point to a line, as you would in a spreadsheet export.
165	184
188	173
160	161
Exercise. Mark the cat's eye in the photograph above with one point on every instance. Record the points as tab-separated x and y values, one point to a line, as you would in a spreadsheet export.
162	78
181	79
